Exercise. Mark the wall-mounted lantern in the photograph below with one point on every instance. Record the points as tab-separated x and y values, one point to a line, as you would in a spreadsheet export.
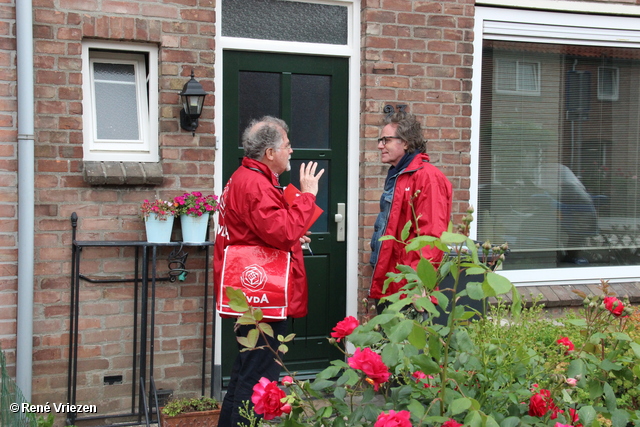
192	96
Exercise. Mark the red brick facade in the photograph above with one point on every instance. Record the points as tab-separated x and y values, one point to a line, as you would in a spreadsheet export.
417	53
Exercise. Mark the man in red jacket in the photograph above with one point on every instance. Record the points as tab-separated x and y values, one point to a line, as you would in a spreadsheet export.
253	211
411	180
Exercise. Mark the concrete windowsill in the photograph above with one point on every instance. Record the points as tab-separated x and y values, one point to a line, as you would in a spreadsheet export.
122	173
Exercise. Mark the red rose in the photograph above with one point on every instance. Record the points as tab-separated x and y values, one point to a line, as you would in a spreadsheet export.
394	419
344	328
541	403
565	341
451	423
371	364
419	376
266	398
614	305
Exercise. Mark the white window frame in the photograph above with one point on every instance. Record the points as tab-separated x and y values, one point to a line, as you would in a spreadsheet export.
603	94
519	86
546	27
144	149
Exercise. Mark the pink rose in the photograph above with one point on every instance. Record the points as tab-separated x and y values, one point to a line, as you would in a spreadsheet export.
451	423
266	398
394	419
287	381
614	305
371	364
344	328
572	382
565	341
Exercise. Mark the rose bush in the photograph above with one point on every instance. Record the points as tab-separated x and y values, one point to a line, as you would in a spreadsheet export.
509	368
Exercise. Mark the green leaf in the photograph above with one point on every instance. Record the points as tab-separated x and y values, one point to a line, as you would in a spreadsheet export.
473	419
458	406
500	284
621	336
474	290
435	346
576	322
619	418
417	337
266	328
426	364
636	348
416	409
321	384
510	422
246	319
587	415
427	273
475	270
283	349
452	238
401	331
420	242
608	365
383	238
289	338
250	340
404	235
390	354
365	339
237	299
330	372
609	397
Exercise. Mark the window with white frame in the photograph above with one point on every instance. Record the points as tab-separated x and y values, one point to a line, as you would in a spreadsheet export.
517	77
557	174
608	83
120	102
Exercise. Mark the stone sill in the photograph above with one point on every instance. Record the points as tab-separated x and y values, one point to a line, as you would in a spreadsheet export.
122	173
559	296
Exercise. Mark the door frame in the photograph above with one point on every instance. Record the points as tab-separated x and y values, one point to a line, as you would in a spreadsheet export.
351	51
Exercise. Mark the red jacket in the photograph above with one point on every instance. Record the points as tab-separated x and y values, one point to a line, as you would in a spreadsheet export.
432	205
253	211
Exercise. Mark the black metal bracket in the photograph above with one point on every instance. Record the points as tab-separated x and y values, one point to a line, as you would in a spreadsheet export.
390	109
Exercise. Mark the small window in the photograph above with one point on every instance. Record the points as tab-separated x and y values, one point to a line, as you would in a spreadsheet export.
517	77
120	102
608	83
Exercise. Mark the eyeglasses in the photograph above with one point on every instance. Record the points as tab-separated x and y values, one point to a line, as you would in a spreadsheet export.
385	139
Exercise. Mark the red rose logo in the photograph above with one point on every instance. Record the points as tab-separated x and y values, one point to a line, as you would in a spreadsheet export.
253	277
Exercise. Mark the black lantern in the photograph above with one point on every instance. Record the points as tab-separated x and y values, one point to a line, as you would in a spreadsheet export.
192	101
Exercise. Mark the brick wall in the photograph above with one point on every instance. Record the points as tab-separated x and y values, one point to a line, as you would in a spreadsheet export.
417	53
184	32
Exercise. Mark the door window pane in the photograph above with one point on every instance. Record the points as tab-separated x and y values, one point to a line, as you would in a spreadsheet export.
310	103
259	96
285	20
559	171
322	198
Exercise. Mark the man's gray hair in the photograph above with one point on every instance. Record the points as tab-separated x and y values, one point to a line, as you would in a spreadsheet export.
408	130
261	134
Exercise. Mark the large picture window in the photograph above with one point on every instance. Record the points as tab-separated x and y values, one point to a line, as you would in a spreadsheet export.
557	173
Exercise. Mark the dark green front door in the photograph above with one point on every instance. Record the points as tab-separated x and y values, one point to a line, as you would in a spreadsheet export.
310	94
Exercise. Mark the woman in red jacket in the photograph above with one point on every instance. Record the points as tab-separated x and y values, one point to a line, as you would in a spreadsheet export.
253	211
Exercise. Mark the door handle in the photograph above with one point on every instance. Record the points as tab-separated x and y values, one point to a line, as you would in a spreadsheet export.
340	221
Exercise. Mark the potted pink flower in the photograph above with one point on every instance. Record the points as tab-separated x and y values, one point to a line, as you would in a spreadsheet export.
158	218
195	209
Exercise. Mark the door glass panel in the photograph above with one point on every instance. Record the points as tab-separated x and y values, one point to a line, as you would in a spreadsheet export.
259	95
285	20
322	198
310	102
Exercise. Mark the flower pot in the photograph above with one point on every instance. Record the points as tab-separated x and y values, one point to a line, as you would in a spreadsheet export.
158	231
194	228
191	419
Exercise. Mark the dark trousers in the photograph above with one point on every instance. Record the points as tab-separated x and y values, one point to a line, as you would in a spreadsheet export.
247	370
